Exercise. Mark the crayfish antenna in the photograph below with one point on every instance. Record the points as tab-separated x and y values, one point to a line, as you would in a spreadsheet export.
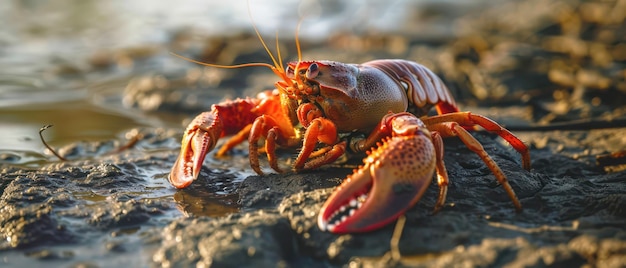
258	34
252	64
277	65
298	39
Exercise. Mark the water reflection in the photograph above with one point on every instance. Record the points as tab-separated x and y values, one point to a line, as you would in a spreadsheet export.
73	121
203	203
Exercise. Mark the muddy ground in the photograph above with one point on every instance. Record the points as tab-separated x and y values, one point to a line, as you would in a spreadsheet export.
553	72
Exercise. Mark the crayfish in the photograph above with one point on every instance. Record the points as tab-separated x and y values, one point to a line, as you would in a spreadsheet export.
327	109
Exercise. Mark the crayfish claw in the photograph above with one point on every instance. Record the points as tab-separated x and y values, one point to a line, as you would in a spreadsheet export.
200	137
393	179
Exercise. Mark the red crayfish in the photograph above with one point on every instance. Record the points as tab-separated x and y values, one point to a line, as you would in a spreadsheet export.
327	108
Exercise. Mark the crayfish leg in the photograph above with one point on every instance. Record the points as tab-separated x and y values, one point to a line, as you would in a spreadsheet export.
319	130
327	155
467	119
449	129
442	173
268	127
238	138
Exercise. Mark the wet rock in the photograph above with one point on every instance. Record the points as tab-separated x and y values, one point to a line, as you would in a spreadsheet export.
257	192
302	209
111	176
32	225
26	212
259	239
41	207
123	214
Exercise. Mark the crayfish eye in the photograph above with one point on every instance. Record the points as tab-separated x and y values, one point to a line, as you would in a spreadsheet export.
312	71
289	71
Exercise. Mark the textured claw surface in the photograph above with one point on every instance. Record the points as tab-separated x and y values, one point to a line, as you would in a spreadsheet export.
199	138
391	181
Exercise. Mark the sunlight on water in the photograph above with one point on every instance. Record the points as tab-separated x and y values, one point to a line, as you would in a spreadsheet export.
73	121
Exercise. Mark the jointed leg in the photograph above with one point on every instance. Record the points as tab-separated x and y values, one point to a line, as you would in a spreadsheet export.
238	138
442	173
454	129
270	148
324	131
469	119
266	126
329	155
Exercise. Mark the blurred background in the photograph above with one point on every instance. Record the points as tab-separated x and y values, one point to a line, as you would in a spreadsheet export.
95	69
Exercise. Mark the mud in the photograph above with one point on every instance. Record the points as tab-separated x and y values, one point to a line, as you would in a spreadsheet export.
551	71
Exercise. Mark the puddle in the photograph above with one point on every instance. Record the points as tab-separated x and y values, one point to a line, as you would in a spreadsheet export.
72	121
